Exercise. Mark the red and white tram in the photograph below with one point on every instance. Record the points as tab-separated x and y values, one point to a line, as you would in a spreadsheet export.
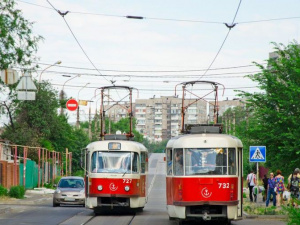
116	175
204	177
116	168
204	174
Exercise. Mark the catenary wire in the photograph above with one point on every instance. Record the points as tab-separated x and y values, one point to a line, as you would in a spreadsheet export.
77	41
155	71
223	41
167	19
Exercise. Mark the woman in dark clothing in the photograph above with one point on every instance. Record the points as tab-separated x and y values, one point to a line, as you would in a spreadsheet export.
265	182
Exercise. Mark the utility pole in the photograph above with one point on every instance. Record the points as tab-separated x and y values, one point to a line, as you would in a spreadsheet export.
66	161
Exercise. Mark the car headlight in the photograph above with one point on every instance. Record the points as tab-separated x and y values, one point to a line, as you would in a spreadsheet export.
82	191
127	188
57	191
100	188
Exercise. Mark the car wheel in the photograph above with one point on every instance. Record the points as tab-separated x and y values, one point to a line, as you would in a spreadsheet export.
55	204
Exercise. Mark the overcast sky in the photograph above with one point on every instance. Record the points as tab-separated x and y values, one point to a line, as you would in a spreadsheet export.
176	41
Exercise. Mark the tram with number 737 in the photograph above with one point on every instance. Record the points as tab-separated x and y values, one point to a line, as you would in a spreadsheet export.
204	174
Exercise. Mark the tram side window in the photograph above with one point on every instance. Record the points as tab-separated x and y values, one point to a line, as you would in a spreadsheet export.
144	162
178	165
94	162
135	163
169	161
232	161
221	161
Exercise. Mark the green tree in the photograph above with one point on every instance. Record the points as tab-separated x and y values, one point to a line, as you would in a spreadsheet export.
275	110
17	42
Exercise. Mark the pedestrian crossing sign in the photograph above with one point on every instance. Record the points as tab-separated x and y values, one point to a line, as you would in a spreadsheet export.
257	154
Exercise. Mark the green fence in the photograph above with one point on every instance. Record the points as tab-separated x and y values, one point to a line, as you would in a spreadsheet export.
32	174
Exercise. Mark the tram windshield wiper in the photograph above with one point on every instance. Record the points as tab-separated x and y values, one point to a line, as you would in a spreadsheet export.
124	173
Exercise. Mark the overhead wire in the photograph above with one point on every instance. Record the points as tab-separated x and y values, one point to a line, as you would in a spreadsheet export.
166	19
63	16
229	29
90	87
153	71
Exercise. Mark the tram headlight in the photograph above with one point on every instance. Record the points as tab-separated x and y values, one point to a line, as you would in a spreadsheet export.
100	188
127	188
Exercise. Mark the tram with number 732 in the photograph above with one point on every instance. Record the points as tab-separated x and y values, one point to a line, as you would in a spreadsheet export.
204	178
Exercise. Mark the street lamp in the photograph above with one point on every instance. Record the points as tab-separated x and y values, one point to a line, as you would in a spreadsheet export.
77	122
56	63
62	92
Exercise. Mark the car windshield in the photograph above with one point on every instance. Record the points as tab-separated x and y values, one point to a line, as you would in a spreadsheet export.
71	183
115	162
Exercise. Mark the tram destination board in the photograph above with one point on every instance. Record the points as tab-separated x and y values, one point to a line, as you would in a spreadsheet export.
257	154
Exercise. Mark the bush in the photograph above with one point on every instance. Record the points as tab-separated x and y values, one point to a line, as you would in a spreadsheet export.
17	192
293	213
57	179
3	191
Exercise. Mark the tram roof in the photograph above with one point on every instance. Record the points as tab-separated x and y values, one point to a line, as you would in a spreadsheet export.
125	145
204	141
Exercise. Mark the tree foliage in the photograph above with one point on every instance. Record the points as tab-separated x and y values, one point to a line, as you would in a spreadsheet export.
37	123
275	111
17	42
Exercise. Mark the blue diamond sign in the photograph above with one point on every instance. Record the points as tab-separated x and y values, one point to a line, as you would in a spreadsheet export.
257	154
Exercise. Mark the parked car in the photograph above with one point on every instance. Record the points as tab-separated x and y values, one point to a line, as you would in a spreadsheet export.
70	191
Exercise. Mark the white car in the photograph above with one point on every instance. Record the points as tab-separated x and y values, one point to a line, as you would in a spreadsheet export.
70	191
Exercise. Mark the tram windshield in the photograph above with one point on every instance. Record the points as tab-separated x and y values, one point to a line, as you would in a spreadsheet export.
115	162
209	161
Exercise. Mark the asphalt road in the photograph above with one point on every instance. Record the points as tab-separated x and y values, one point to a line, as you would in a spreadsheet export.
154	211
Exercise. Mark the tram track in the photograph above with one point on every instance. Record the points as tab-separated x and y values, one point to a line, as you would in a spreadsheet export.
110	219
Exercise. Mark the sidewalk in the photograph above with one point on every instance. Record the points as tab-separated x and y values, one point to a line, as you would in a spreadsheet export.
37	196
260	203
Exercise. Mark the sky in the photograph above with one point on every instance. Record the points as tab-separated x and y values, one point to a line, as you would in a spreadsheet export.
177	41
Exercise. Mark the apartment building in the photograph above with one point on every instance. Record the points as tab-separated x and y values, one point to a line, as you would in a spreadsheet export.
223	106
160	118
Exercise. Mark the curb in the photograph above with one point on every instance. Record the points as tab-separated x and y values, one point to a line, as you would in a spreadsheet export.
5	210
275	217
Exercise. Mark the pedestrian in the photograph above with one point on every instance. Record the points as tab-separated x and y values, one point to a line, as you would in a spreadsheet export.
293	186
279	180
251	180
270	190
265	182
179	162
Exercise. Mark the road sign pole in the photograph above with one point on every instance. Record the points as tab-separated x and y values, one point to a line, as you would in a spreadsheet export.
257	179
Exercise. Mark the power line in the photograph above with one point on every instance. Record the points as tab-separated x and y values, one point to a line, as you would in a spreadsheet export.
229	27
165	76
154	71
63	16
166	19
89	87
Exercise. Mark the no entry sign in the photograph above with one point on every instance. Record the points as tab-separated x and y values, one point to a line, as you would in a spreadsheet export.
72	104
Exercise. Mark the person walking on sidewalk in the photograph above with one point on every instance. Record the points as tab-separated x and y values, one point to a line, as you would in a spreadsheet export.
265	182
279	180
251	179
271	187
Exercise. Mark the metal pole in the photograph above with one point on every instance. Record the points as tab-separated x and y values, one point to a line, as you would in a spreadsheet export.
43	163
257	179
182	110
24	166
66	161
90	125
15	166
39	167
